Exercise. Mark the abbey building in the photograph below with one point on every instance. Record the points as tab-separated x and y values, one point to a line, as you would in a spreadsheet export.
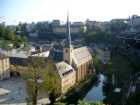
76	65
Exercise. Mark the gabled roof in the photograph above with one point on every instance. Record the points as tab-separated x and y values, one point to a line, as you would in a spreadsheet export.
81	55
64	69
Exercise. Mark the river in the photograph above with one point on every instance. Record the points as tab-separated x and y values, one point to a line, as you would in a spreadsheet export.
96	92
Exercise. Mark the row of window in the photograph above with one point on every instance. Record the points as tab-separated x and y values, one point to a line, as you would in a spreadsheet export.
83	70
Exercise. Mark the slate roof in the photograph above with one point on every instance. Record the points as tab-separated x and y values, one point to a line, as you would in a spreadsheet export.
63	68
81	55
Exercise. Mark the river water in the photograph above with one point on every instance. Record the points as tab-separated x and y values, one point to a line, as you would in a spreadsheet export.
96	92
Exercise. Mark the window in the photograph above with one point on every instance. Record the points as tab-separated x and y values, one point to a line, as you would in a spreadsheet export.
66	50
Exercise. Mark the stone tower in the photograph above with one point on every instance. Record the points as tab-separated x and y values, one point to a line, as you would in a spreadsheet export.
67	51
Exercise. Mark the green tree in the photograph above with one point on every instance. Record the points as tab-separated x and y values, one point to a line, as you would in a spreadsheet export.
41	78
8	36
51	82
89	103
118	26
134	99
60	103
32	77
98	36
2	31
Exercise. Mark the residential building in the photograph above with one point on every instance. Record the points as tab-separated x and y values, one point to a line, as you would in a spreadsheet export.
4	67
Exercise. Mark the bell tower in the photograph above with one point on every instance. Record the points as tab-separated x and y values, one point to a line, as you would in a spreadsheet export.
67	51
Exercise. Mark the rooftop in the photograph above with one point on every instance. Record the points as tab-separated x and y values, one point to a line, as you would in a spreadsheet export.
64	68
81	55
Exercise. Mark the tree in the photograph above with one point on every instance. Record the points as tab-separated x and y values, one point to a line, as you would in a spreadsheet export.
51	82
118	26
22	27
60	103
89	103
32	76
81	102
2	31
8	36
98	36
41	78
134	99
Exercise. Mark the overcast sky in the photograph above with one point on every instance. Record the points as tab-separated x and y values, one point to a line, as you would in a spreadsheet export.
13	11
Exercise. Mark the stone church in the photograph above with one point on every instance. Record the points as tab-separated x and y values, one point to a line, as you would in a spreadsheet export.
79	58
76	65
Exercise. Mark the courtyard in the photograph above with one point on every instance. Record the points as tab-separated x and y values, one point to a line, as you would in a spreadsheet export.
13	92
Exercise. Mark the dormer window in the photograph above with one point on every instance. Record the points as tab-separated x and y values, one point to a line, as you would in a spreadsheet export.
67	72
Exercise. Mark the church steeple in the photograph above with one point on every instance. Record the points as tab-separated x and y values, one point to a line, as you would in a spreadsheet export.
67	52
68	34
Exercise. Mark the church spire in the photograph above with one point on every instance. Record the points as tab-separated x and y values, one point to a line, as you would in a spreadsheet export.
67	52
68	43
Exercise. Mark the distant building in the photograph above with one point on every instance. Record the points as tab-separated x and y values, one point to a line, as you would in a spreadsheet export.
62	29
41	54
33	35
78	23
55	23
59	29
30	27
135	20
4	67
75	28
119	20
90	24
103	54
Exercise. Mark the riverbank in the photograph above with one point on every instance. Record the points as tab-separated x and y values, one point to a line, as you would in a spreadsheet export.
80	90
96	94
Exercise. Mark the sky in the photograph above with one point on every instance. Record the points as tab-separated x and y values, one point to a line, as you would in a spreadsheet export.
15	11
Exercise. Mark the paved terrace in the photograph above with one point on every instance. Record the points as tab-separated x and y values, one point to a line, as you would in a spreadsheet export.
16	92
13	92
